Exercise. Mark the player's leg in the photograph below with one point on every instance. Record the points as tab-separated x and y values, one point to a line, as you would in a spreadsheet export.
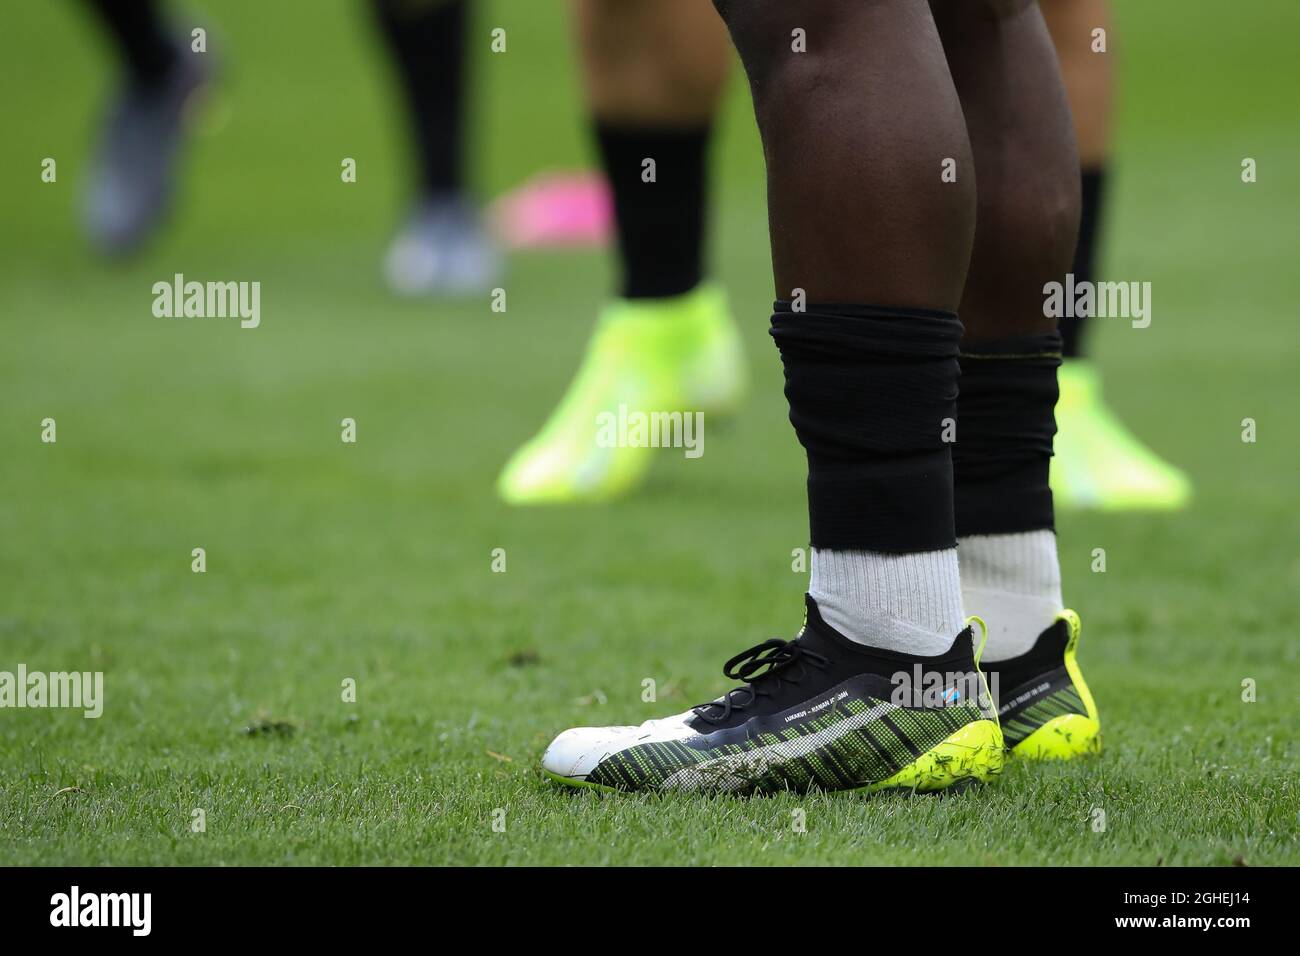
1026	166
653	71
132	174
442	248
1099	463
870	243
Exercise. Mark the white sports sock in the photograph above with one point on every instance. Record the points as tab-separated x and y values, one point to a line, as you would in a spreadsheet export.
1013	582
901	602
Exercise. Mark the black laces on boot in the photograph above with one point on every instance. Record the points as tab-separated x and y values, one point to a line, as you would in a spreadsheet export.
764	667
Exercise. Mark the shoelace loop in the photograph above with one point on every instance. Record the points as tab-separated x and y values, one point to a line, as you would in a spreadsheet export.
767	664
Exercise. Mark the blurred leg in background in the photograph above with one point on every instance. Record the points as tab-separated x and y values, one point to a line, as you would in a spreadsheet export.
1099	463
442	248
132	175
654	71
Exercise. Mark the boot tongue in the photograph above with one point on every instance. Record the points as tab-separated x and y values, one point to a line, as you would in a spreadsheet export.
812	614
817	635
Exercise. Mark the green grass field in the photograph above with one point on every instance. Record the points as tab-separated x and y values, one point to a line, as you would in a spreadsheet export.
372	561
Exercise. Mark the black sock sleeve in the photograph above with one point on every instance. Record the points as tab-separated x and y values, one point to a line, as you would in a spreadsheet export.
1005	426
872	396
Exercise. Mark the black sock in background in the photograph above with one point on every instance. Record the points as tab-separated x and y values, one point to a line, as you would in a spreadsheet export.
1072	327
660	224
427	41
141	37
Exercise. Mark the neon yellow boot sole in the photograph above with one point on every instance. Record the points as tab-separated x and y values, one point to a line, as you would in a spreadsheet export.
974	754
